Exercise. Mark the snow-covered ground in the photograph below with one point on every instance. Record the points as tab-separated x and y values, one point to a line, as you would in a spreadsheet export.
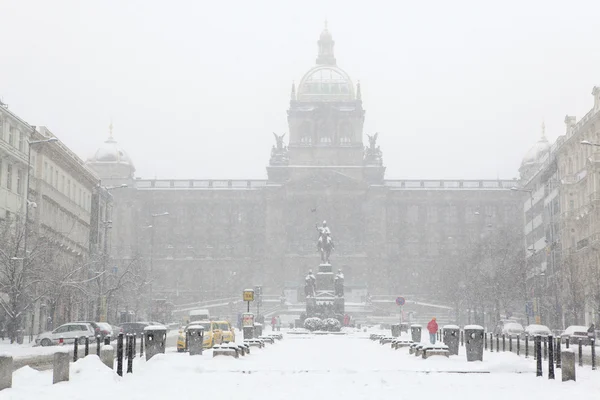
308	367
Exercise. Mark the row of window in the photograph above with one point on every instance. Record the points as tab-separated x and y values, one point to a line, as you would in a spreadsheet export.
56	178
12	135
12	178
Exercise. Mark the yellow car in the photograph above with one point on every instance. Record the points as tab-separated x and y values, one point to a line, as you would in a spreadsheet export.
212	334
226	331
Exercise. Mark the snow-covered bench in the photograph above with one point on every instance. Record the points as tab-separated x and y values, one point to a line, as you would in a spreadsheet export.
435	350
386	339
269	339
225	350
400	343
277	336
254	343
375	336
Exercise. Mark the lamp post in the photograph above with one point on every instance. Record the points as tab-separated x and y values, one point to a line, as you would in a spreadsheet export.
152	227
515	189
103	315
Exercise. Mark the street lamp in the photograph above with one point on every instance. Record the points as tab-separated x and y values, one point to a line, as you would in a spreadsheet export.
27	202
532	250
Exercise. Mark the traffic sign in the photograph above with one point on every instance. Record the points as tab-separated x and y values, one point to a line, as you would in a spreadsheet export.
248	295
529	308
400	301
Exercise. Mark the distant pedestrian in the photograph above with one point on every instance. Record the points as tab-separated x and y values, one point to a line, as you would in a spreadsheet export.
278	323
432	327
273	323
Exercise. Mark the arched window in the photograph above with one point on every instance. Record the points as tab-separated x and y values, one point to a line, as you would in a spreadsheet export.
305	134
345	133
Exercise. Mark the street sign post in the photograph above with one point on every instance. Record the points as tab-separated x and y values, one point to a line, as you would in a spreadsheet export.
248	296
400	301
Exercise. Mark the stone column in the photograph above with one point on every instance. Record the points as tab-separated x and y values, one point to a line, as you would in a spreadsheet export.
61	367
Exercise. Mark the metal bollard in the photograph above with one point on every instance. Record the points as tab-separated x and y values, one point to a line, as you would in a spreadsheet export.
120	354
519	345
87	347
107	340
593	344
130	355
526	346
557	352
462	338
510	343
492	342
538	351
567	342
503	342
134	336
545	339
485	341
580	353
98	345
497	343
550	358
75	348
141	345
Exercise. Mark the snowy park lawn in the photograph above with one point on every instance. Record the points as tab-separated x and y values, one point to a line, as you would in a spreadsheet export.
331	367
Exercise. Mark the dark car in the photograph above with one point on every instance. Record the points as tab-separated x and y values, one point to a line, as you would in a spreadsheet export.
100	328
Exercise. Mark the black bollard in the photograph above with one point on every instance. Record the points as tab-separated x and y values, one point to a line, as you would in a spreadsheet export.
120	354
87	346
538	351
485	341
557	352
98	346
75	348
580	353
462	338
519	345
141	345
550	358
497	343
593	344
567	342
510	343
130	355
503	342
107	340
545	348
134	336
526	346
492	342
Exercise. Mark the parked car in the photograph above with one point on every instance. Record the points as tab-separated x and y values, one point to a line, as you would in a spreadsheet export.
66	332
538	330
574	333
512	329
100	328
226	331
500	325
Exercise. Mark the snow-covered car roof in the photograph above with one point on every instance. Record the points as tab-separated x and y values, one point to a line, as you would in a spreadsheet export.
515	326
535	328
575	328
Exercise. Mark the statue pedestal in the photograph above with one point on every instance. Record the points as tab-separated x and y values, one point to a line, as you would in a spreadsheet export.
325	268
325	281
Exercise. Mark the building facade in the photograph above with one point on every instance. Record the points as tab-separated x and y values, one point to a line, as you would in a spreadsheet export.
219	236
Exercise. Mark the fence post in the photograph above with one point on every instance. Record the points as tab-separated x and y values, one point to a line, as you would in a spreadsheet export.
87	346
75	348
497	343
580	353
526	346
557	352
485	341
510	343
120	354
98	345
550	357
545	338
503	342
519	344
142	345
538	350
492	342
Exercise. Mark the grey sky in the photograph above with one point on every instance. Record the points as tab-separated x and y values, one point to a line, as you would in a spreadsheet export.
194	88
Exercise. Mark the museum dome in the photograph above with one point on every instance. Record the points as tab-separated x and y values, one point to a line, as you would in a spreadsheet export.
326	81
110	152
538	150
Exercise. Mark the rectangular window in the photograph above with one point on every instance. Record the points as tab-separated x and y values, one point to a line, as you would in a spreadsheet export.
20	141
51	175
19	181
68	188
56	178
11	136
62	184
46	171
1	129
0	172
9	177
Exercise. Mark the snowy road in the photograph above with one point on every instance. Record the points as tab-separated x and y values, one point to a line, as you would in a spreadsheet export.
307	367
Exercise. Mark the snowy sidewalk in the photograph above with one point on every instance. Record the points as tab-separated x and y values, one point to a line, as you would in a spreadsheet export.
334	367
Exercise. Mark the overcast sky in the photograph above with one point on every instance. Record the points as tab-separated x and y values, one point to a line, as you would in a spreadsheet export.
457	89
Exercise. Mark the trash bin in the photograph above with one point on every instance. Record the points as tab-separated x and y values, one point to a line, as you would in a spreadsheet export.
396	330
474	342
451	337
415	332
155	339
258	328
195	339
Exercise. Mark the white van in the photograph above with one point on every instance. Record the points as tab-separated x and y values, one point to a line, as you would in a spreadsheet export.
199	315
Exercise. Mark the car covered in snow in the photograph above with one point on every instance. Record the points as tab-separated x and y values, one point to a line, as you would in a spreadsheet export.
500	326
66	333
512	329
538	330
576	332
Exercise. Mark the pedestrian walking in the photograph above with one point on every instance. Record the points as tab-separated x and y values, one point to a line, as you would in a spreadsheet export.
278	323
273	323
432	327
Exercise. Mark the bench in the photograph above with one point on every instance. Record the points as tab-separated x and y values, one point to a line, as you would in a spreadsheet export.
386	339
436	350
398	344
254	343
267	339
225	351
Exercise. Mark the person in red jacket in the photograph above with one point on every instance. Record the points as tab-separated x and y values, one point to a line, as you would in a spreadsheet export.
432	327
